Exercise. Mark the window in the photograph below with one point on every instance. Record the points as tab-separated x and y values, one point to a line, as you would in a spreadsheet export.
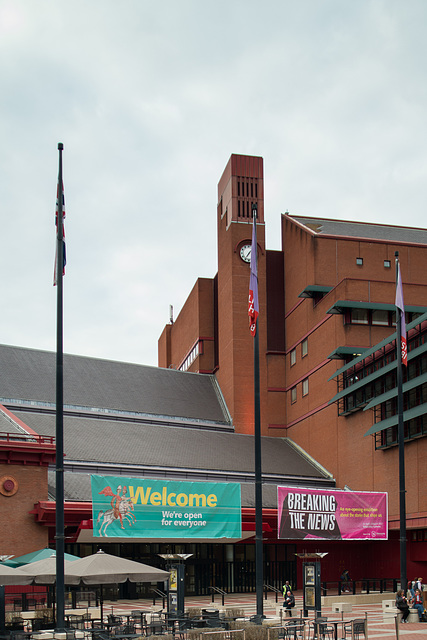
191	356
293	395
304	348
305	387
359	316
387	264
359	261
380	317
293	357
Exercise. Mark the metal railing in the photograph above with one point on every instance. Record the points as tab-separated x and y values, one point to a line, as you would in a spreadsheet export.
160	594
353	587
269	587
220	591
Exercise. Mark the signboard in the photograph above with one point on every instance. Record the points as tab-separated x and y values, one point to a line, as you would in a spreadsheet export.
141	508
331	515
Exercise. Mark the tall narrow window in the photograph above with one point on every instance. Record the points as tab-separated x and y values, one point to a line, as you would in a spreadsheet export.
305	387
293	395
293	357
304	348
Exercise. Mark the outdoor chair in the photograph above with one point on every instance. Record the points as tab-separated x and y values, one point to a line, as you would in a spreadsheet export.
358	628
137	618
180	628
321	629
294	629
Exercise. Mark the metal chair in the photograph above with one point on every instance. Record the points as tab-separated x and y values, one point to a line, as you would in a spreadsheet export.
294	628
359	628
321	629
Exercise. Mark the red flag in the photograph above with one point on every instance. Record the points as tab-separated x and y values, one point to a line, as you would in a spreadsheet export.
64	261
401	309
253	306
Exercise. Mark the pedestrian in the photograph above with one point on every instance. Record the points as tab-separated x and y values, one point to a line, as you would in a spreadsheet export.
417	603
289	602
286	588
402	605
345	579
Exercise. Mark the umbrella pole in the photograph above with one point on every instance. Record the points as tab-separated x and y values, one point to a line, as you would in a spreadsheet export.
2	608
101	603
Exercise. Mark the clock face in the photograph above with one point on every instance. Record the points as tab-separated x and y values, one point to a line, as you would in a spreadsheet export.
245	252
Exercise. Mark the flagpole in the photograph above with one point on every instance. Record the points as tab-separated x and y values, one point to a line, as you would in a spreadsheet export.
401	436
60	528
259	579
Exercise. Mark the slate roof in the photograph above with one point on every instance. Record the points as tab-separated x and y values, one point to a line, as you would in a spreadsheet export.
365	230
190	446
121	448
29	375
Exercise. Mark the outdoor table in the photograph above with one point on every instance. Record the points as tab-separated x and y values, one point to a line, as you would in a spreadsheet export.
156	627
335	624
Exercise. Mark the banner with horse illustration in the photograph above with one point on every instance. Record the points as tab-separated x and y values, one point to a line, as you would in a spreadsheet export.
142	508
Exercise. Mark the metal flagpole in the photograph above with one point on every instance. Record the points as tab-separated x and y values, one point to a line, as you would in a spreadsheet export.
259	580
401	436
60	528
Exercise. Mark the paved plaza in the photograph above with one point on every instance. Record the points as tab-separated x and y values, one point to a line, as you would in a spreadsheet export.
379	625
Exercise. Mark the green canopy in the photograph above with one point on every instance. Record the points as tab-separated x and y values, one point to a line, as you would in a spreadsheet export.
41	554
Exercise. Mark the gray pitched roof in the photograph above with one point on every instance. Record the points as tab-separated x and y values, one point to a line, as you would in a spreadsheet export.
188	446
29	375
367	230
131	445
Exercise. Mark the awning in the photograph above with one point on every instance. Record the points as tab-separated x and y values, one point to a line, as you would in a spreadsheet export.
411	384
340	306
391	422
361	382
342	352
312	290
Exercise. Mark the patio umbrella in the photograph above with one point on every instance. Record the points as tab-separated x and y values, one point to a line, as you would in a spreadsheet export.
10	576
103	568
44	571
41	554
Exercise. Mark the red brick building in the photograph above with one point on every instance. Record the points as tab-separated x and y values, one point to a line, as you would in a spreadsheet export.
326	298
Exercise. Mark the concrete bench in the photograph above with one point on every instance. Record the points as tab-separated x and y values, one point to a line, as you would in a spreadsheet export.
390	610
342	607
388	604
413	615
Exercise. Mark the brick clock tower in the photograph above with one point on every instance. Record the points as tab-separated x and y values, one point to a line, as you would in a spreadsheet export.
240	186
211	333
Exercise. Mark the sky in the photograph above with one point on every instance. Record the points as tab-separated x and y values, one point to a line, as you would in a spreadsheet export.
150	99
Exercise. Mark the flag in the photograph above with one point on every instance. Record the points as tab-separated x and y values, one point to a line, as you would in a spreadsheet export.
64	261
401	309
253	306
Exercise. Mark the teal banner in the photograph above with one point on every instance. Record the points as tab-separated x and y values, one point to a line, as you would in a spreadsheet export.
140	508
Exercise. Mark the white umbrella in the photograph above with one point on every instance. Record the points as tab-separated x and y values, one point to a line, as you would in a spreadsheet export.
11	576
44	571
103	568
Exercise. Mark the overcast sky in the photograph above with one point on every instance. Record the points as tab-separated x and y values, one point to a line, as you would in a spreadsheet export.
150	99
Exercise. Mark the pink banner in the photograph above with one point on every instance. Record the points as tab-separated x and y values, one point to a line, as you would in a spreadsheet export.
331	515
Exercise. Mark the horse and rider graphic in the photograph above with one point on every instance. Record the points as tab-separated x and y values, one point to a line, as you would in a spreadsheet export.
121	509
